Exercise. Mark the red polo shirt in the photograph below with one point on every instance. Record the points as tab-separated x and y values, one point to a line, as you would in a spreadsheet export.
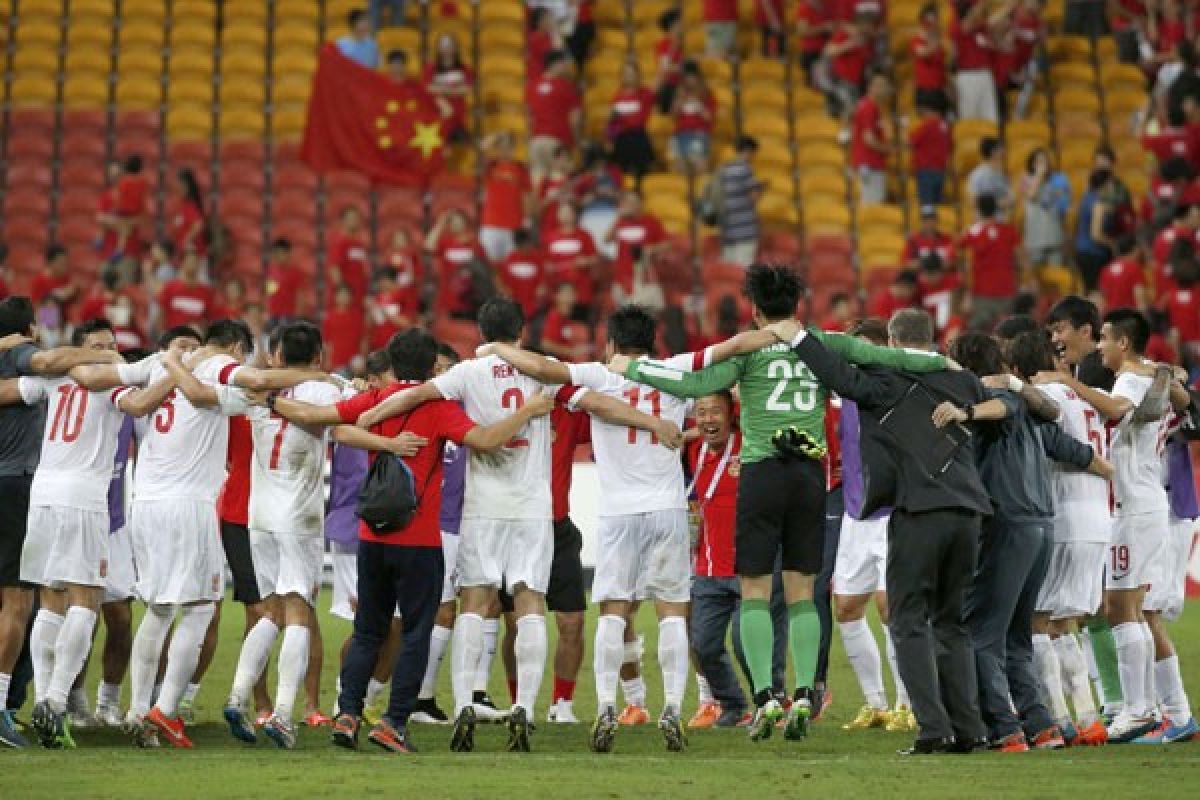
716	496
1117	282
720	10
233	504
814	13
343	334
564	252
919	245
929	72
284	282
992	246
851	65
440	421
867	119
972	45
184	304
505	185
347	255
551	101
453	263
1183	310
631	110
930	144
571	429
523	274
691	116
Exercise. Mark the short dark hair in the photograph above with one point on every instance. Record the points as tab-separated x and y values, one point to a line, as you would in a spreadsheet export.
1078	311
1031	352
501	319
773	289
553	59
911	327
907	277
632	329
746	144
872	329
55	251
378	362
133	164
1011	327
298	343
397	56
1126	244
16	315
978	353
1132	325
178	332
986	205
724	394
668	18
354	16
988	146
522	237
230	332
282	243
412	353
84	329
1098	178
444	349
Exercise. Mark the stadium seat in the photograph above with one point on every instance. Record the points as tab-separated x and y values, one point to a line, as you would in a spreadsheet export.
32	60
240	92
29	176
138	93
146	35
90	62
298	208
244	38
824	218
193	91
291	36
287	123
82	144
185	12
33	90
189	122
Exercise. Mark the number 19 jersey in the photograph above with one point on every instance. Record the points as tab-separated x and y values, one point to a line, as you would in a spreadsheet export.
514	481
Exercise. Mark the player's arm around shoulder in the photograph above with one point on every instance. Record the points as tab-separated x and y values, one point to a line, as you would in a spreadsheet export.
61	360
401	402
488	438
140	402
546	370
678	375
198	393
615	412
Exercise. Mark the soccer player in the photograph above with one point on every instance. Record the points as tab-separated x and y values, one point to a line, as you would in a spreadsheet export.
67	553
781	498
1138	551
643	548
176	541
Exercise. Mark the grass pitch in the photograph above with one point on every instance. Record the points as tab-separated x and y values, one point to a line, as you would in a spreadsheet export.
718	764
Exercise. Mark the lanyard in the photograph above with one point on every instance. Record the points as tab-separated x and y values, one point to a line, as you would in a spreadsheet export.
717	473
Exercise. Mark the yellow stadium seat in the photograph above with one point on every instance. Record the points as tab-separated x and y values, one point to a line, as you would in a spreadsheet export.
288	123
242	91
816	129
250	36
822	218
1069	100
192	91
33	90
243	63
85	91
974	129
41	11
135	92
136	32
1114	77
765	97
193	35
888	245
779	208
1027	129
187	11
1073	74
766	125
31	60
94	62
197	63
1124	101
1106	49
152	10
242	121
142	63
295	35
716	70
1069	48
98	37
39	34
291	91
502	38
500	11
881	218
1061	280
762	71
292	10
189	122
815	154
293	62
822	183
235	13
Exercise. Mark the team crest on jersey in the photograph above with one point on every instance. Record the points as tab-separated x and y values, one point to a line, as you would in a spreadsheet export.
735	466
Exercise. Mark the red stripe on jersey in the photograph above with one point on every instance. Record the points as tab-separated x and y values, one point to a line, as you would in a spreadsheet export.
568	395
115	397
701	359
226	371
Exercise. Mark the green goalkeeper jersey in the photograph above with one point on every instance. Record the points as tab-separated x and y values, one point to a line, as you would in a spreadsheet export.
777	390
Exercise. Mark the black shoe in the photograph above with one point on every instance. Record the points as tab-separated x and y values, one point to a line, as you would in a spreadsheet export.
482	699
967	746
730	718
462	740
924	747
427	711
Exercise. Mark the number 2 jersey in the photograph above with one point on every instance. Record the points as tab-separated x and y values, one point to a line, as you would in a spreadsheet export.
637	474
287	486
79	443
514	481
1081	512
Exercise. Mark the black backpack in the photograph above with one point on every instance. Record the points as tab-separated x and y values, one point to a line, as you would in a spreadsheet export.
388	500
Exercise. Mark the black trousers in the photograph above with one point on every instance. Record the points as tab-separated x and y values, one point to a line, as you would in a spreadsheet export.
392	577
930	564
822	590
715	603
999	613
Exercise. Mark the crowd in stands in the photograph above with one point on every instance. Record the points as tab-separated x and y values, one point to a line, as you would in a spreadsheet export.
937	106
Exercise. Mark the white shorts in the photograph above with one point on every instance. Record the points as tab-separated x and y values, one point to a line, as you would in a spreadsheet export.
643	557
345	581
505	553
1074	584
65	545
450	560
861	563
1170	599
177	551
1137	551
122	577
287	563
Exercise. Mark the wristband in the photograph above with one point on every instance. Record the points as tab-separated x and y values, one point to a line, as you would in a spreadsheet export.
1015	384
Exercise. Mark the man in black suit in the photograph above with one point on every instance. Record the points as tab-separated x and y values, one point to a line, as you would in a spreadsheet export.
933	537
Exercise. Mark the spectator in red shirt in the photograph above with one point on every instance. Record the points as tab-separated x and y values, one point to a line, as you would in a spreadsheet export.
543	37
769	16
849	53
560	332
1123	281
871	138
343	329
939	289
632	105
106	216
455	251
902	293
449	78
346	261
523	274
555	113
184	300
1182	304
695	113
637	236
557	186
929	59
814	24
397	67
571	257
1172	140
668	58
720	28
230	301
996	264
130	200
54	284
388	311
507	197
284	282
928	240
930	146
838	319
405	260
974	83
188	226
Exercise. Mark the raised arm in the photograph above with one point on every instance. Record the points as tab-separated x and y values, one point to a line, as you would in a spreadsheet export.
680	383
61	360
306	414
743	343
400	403
406	443
1111	407
865	354
540	368
618	413
141	402
486	438
838	375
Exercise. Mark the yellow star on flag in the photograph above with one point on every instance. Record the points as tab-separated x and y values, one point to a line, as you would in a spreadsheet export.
427	137
392	106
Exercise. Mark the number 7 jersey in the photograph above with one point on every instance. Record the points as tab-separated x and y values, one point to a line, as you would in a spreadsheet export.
637	473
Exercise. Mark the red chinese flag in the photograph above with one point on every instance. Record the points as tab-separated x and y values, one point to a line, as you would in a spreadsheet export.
361	120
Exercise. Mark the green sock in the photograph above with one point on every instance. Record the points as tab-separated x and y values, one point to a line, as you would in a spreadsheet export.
758	641
804	635
1104	649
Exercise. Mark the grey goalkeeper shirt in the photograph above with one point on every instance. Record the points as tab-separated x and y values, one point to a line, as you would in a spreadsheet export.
20	425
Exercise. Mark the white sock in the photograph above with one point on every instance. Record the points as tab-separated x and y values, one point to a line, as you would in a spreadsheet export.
608	654
256	650
70	651
293	666
1075	678
1131	653
483	673
901	689
530	648
634	690
437	651
465	655
1151	698
673	658
42	639
5	682
863	654
145	655
183	655
1045	660
374	691
1171	694
704	695
108	694
189	694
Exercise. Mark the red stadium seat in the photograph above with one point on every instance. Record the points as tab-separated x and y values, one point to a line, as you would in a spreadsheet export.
243	204
460	199
94	122
79	232
140	142
285	152
302	237
27	202
30	121
399	204
26	234
128	123
347	181
190	153
83	144
29	175
829	244
295	176
77	203
242	150
35	145
242	175
77	176
718	272
293	207
339	199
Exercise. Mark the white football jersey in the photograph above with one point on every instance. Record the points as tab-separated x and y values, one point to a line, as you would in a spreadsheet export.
637	474
1081	512
183	452
514	481
79	442
287	486
1137	453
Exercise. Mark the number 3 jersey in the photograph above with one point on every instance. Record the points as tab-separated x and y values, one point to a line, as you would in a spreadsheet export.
514	481
637	473
1081	512
287	489
78	445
